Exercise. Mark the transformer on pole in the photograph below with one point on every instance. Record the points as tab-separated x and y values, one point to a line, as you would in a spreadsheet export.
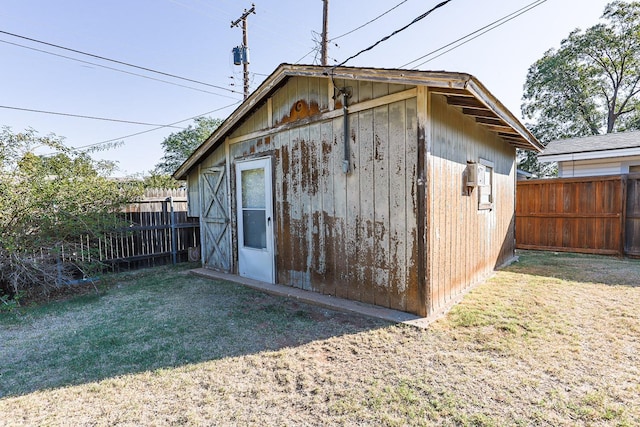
241	53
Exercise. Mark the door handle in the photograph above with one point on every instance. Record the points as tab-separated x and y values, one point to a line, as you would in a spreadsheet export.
269	221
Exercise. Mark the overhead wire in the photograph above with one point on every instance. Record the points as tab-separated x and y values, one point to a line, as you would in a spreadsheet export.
416	20
479	32
30	110
316	49
369	22
116	69
103	58
154	129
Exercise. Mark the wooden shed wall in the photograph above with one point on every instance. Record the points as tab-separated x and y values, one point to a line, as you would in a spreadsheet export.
465	244
356	236
352	235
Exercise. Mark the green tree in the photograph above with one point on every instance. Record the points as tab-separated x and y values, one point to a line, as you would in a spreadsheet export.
591	84
50	204
160	180
179	145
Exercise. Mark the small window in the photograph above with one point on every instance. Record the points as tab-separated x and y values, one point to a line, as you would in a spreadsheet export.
485	189
634	169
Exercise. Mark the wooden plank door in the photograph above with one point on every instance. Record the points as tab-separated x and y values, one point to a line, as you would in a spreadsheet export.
214	219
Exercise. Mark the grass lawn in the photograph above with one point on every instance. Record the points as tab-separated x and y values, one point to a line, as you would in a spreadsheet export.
551	340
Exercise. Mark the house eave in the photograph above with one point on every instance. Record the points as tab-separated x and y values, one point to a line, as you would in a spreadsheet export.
590	155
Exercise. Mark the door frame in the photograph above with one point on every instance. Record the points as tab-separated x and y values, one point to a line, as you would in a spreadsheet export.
247	164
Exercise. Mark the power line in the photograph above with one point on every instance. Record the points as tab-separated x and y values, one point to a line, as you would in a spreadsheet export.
115	69
419	18
83	116
369	22
481	31
315	49
154	129
151	70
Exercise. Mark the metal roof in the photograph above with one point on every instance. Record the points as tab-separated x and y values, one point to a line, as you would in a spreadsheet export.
462	90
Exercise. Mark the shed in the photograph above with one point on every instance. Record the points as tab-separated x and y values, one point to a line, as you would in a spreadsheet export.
595	155
385	186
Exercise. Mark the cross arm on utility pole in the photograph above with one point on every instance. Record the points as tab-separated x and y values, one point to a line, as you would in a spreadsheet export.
244	15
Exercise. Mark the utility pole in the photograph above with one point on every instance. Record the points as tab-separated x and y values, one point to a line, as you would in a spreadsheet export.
325	32
245	46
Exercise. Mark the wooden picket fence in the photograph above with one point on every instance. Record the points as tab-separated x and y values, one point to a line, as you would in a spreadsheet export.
157	231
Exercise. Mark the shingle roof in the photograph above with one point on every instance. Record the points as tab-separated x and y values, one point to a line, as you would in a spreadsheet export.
610	141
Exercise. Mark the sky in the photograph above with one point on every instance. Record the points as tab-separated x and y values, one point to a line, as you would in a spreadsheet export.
193	39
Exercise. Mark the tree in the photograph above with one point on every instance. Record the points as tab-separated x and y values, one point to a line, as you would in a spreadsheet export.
49	204
591	84
179	145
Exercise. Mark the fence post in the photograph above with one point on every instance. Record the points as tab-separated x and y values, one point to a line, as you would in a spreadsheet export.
623	215
58	266
174	235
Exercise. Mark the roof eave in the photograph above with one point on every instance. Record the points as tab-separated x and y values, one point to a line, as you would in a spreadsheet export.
482	93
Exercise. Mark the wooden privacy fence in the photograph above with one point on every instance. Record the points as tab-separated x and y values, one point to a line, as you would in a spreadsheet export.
598	215
157	232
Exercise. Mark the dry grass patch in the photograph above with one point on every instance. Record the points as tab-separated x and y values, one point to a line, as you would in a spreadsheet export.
552	340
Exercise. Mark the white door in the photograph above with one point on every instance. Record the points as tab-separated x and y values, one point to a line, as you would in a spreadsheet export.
255	220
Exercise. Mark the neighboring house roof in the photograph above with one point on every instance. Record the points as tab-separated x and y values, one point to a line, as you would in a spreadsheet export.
525	174
592	147
462	90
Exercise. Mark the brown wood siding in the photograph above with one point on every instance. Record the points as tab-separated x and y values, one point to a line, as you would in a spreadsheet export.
575	214
346	235
465	244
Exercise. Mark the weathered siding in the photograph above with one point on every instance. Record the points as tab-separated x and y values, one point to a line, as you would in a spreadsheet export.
357	236
346	235
193	197
259	120
465	244
365	90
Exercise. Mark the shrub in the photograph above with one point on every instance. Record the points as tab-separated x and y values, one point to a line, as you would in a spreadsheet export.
50	205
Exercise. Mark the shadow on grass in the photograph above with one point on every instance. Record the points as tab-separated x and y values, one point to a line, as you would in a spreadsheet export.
601	269
160	319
